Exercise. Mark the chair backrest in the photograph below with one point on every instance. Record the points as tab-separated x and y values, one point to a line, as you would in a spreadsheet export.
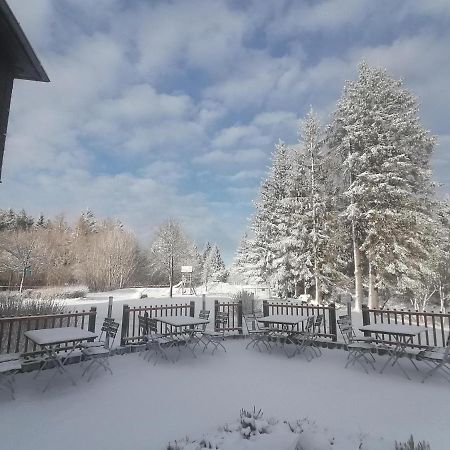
221	321
203	314
152	325
345	327
105	326
143	325
309	324
250	322
317	323
111	332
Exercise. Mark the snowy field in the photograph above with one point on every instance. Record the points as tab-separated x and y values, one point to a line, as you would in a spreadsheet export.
145	407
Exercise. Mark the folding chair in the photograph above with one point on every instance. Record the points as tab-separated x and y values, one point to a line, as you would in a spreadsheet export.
103	334
10	364
258	335
438	358
155	343
302	340
195	334
313	338
98	356
357	350
215	337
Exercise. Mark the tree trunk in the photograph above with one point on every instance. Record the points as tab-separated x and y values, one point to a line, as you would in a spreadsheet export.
171	277
22	279
441	296
318	289
358	272
373	292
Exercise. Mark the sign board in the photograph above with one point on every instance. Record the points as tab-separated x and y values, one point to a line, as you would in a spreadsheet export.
186	269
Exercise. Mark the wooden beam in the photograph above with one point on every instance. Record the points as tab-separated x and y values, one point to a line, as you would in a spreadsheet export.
6	86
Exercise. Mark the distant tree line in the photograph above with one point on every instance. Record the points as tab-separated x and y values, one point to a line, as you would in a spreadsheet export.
101	254
352	206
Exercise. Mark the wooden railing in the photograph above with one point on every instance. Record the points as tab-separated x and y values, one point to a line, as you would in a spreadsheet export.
130	322
326	329
12	329
234	312
437	324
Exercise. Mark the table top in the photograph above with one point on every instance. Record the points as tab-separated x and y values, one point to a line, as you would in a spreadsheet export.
51	336
282	319
182	321
394	328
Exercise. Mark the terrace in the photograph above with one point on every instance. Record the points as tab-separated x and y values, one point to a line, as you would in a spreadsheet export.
146	406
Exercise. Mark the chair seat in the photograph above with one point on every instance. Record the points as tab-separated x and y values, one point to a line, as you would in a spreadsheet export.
10	366
9	357
362	346
71	354
163	340
92	344
95	351
434	356
213	334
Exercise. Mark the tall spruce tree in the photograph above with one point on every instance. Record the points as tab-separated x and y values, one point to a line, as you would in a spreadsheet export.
377	133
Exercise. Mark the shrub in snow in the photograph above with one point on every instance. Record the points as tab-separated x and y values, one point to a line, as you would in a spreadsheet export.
252	423
57	292
13	304
409	445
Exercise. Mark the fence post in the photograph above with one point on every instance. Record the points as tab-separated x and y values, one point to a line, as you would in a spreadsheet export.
125	324
239	312
92	317
110	307
203	302
265	308
332	321
216	310
192	309
365	318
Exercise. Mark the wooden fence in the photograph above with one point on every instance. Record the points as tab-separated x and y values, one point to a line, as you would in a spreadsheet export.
12	329
234	312
328	326
437	324
130	322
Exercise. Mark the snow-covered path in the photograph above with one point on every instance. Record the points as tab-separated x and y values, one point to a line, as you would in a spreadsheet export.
144	406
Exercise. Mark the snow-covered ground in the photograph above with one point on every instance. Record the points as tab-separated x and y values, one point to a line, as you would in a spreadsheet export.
143	406
320	405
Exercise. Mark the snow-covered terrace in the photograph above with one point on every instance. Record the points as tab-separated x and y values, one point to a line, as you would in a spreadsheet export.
143	406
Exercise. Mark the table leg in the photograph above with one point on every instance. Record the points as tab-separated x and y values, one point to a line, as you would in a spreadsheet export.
59	366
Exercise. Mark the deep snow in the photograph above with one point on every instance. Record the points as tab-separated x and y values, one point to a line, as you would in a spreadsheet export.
144	406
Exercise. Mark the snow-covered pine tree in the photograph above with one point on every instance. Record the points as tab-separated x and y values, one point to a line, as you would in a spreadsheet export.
443	266
377	132
270	223
312	142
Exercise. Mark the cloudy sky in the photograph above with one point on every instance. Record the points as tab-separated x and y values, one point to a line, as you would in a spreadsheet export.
161	109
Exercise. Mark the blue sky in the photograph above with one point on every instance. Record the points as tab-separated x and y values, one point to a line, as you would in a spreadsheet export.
161	109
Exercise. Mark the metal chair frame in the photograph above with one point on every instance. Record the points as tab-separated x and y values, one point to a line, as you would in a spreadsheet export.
156	344
215	337
357	350
195	334
10	364
258	335
98	355
302	340
438	359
